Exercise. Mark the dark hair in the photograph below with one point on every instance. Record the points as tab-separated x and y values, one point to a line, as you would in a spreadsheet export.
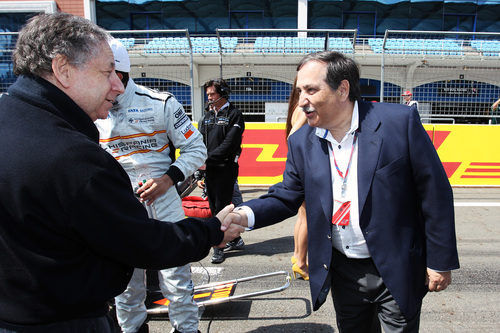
293	100
339	68
47	35
221	87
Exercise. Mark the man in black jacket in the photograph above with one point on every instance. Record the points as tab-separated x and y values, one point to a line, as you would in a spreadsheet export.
222	129
71	229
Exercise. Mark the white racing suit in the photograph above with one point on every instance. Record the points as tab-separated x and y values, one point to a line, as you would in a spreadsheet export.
138	133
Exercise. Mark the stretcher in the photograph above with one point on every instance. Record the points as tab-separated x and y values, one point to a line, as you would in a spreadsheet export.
218	292
206	294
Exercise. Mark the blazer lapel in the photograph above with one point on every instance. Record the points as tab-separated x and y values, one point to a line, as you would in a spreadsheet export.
368	152
319	164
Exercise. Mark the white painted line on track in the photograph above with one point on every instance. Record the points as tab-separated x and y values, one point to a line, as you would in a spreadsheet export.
477	204
204	270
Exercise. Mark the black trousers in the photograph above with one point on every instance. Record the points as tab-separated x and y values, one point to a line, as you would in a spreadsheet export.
362	301
220	180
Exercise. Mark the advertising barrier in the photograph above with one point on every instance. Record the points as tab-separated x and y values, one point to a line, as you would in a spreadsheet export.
470	153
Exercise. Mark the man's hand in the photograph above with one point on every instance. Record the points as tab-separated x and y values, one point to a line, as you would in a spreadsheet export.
154	187
201	184
231	231
235	217
437	281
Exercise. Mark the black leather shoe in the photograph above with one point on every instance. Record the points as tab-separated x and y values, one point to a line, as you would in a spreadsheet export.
218	256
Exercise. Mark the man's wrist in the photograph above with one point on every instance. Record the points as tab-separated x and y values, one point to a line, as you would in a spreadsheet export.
249	216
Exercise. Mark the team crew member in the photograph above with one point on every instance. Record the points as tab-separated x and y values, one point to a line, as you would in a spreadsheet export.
222	128
139	133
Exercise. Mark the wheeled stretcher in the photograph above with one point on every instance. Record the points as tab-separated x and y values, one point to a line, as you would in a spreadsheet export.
211	293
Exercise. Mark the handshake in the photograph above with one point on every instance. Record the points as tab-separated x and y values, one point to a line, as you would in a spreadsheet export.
233	223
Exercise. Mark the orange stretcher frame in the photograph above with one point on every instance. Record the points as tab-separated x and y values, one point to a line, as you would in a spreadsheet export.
220	292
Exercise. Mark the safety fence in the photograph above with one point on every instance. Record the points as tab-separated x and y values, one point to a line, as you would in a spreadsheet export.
454	76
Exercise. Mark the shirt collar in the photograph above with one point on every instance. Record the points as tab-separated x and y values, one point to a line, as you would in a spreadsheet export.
42	94
223	107
325	134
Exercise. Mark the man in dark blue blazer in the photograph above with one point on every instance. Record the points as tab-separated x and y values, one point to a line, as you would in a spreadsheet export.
379	204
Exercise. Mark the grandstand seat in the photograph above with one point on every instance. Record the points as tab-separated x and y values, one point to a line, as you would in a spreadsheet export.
127	42
340	44
489	48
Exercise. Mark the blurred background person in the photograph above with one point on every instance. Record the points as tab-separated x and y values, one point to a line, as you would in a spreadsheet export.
222	128
494	112
408	100
296	118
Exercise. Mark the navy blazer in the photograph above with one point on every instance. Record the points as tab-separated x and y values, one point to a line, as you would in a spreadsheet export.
406	209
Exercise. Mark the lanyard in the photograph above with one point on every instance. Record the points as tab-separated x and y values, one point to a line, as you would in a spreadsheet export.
344	178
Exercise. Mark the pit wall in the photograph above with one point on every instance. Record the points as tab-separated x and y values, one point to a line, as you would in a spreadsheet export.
470	153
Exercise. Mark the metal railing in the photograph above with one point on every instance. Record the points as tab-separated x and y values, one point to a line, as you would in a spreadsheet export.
451	74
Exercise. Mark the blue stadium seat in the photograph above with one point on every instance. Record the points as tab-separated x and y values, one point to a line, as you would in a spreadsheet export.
489	48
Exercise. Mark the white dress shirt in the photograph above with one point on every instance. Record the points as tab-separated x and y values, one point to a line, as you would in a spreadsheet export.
346	239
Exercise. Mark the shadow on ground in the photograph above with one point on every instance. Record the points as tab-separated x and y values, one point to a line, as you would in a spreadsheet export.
240	310
266	248
304	327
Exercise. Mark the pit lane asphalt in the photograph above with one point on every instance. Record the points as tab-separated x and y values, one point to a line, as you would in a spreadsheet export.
470	304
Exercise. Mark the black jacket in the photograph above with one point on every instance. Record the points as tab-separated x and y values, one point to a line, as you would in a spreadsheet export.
222	134
71	229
